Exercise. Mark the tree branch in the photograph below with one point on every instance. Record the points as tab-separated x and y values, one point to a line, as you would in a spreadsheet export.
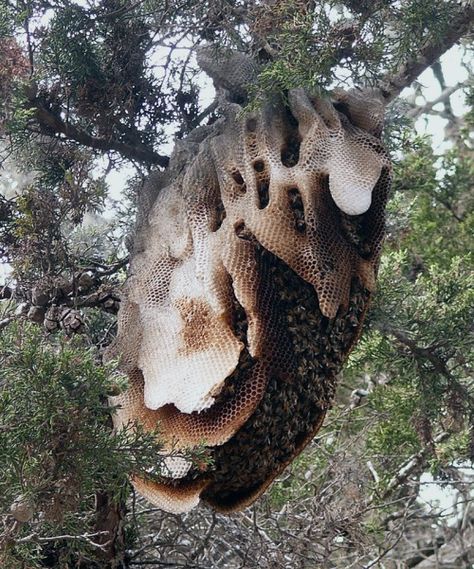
5	292
394	83
451	553
424	353
48	121
411	466
443	98
84	537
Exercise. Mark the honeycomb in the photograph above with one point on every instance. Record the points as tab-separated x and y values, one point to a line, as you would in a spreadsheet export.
247	289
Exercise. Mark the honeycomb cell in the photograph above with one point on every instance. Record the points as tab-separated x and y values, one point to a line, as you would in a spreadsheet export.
249	283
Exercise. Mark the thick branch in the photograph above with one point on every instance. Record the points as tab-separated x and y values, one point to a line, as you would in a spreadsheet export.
461	24
411	466
50	121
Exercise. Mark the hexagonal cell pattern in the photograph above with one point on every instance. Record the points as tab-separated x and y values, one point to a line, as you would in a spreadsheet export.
255	269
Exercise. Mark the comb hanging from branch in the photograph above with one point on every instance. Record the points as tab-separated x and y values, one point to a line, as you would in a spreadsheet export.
253	268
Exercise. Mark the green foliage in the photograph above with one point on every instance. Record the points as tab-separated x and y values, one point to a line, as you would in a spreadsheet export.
292	486
417	343
303	61
19	119
313	49
97	69
65	188
96	60
393	438
56	446
415	346
6	21
318	49
71	50
442	222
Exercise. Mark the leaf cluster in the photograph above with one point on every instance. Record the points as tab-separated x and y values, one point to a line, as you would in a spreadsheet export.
342	43
63	190
417	347
56	446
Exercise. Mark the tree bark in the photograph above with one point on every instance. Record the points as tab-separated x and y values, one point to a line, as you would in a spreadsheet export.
110	514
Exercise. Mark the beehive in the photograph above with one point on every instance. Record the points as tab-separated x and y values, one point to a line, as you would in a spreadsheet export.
249	288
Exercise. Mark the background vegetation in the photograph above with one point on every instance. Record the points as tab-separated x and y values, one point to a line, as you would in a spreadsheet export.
92	88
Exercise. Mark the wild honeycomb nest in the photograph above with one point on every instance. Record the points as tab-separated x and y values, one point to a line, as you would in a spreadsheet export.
248	286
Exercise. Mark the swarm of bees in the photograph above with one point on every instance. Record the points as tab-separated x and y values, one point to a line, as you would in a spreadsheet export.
249	285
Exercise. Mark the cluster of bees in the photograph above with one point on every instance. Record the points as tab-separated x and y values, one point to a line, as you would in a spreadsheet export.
298	393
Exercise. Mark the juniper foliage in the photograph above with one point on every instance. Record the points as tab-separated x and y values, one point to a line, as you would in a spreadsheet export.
89	89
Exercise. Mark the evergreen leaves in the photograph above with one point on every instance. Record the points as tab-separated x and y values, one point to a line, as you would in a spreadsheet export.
56	446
